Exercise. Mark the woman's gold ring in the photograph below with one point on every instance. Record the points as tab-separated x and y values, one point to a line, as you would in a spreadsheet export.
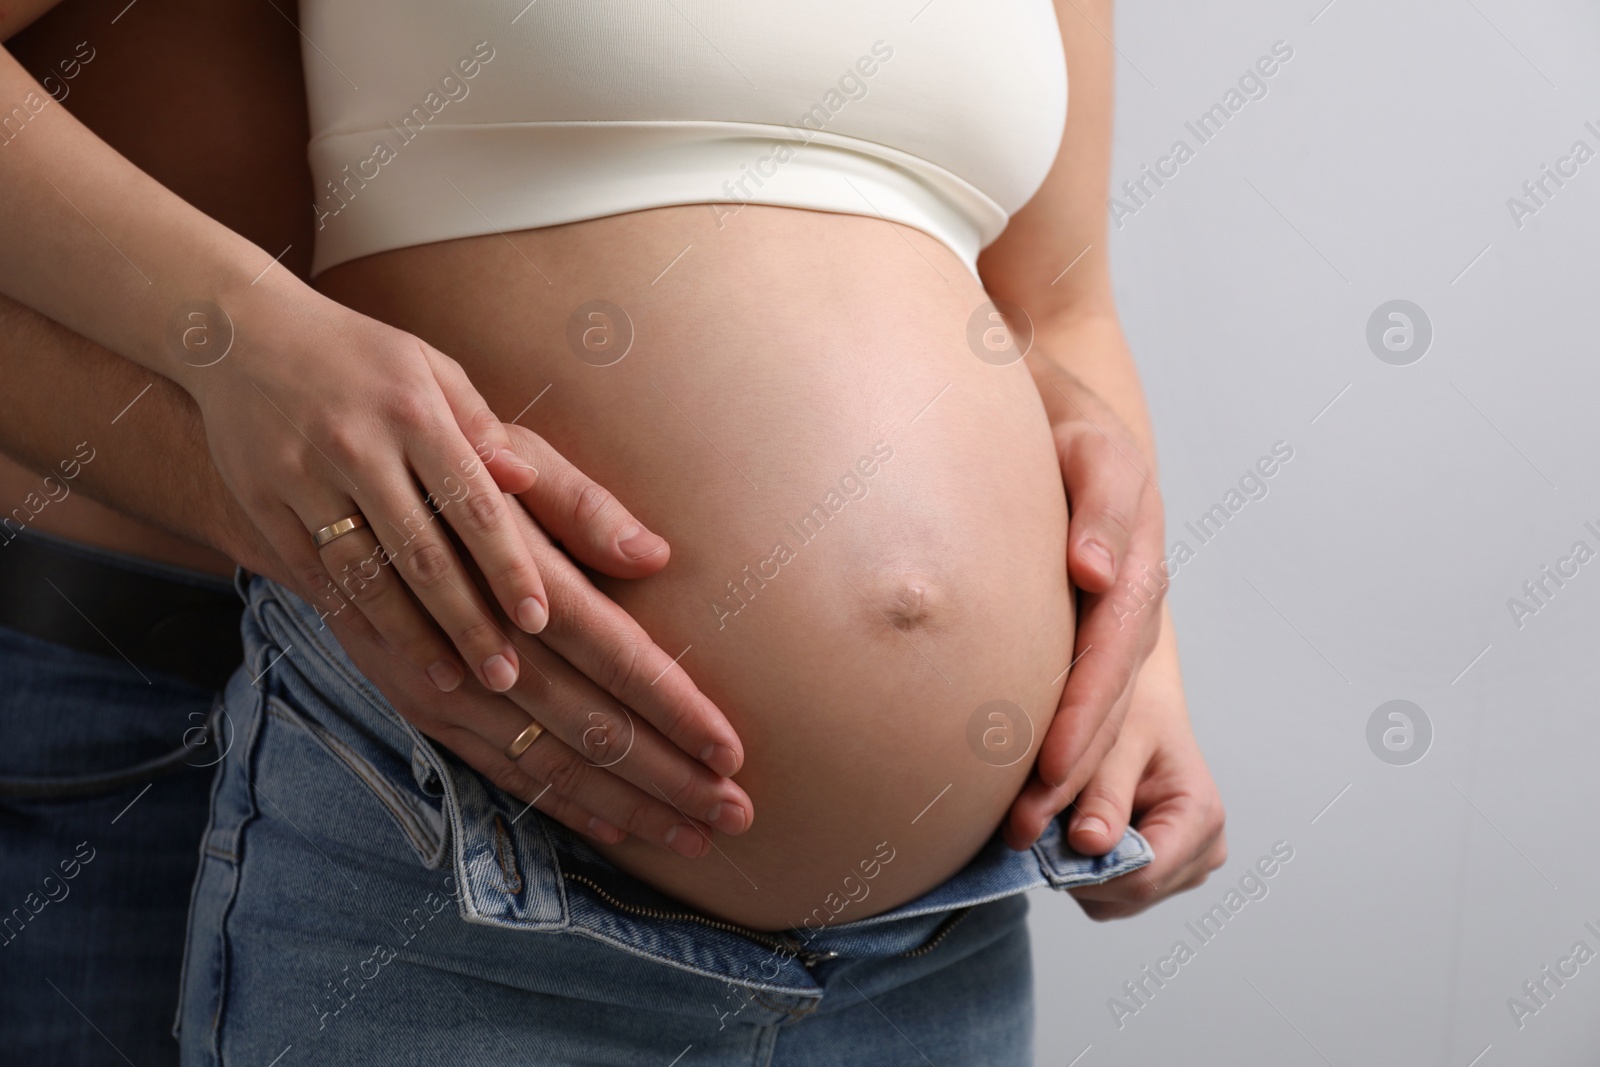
338	529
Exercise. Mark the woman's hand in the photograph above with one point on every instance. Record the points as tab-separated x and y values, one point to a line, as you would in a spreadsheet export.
1114	556
329	414
1157	778
303	448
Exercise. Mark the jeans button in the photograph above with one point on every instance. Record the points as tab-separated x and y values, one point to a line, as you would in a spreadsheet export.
425	772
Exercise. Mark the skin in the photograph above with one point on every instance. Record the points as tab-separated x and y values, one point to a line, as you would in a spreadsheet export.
1102	502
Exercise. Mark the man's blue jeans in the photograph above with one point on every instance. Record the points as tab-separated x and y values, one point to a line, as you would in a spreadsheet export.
364	898
103	792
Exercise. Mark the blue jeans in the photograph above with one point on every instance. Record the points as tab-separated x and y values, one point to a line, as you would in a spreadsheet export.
364	898
102	805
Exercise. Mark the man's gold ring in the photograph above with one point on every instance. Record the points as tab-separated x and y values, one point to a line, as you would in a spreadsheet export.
528	736
339	529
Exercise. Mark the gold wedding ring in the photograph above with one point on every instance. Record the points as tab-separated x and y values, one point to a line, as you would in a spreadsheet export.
528	736
339	529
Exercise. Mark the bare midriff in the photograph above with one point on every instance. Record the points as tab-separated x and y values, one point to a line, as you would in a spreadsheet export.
867	521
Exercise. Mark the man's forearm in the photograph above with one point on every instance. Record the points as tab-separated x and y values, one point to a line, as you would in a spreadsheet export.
151	458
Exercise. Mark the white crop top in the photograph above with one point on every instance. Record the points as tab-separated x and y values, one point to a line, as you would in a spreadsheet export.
435	120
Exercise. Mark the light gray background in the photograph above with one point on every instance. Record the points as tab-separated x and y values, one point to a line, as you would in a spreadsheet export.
1377	167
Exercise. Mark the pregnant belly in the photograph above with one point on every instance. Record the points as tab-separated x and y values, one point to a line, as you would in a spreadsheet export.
867	523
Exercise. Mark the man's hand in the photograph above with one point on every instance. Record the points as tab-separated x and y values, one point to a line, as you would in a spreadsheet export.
1114	557
1157	777
594	769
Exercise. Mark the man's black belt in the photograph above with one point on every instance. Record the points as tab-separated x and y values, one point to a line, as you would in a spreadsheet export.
156	618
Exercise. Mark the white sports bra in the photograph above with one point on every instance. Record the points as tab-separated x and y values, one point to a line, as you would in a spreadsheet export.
432	120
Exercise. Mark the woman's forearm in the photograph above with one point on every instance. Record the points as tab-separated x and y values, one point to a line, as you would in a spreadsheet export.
1092	348
91	241
1053	261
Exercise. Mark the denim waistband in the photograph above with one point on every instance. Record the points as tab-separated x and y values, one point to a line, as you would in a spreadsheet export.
519	870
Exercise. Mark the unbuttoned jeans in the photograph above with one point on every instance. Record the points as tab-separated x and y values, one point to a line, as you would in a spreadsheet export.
365	898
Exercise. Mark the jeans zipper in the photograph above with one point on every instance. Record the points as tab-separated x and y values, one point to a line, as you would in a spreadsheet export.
938	935
787	945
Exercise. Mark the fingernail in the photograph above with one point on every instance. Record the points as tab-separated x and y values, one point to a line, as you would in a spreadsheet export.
603	830
1092	825
498	673
1103	554
511	458
729	818
685	841
637	542
720	758
445	675
532	616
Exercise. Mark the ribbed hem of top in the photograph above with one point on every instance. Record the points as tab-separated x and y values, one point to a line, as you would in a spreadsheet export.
395	188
